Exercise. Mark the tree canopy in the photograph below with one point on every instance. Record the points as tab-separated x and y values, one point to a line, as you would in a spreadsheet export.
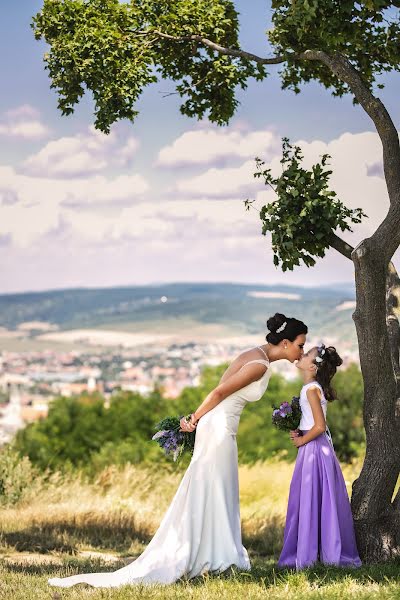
367	33
116	50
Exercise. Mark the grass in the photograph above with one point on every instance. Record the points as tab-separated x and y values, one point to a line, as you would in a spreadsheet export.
21	581
68	526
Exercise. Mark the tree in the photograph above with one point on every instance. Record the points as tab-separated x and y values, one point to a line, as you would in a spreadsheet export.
116	49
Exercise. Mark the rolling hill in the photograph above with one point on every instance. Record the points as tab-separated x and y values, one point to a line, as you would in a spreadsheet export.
235	308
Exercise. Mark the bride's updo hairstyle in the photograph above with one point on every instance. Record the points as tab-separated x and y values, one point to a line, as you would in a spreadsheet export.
327	362
284	328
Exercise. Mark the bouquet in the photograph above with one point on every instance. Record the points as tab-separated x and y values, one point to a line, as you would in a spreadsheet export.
287	416
172	440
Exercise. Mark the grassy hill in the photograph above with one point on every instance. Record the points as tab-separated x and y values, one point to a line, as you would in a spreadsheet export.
236	308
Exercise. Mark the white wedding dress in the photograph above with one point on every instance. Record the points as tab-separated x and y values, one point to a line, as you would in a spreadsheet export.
200	531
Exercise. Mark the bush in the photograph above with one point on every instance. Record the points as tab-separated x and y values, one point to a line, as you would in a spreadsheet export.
16	476
81	433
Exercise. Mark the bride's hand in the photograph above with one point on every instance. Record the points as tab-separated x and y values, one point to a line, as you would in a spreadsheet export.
188	426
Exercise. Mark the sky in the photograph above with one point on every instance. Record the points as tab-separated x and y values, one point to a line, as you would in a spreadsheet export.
161	200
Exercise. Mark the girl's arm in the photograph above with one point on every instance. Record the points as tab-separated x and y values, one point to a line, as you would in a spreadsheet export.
314	398
244	376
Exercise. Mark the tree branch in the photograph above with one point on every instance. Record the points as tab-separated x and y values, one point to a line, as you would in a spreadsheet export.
274	60
387	236
344	70
341	246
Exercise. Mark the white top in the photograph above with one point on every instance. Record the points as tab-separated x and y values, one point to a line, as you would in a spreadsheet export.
307	419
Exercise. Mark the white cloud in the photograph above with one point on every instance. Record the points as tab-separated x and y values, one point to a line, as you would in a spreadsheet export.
106	228
31	207
81	155
99	190
355	183
25	111
220	182
28	222
173	223
23	122
208	146
120	230
352	180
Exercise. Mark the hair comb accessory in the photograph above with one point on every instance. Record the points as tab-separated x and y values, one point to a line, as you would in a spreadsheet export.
282	327
321	351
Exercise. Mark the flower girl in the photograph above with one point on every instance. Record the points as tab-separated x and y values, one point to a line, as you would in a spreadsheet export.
319	524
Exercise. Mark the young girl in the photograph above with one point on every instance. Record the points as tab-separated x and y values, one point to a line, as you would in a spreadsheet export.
319	524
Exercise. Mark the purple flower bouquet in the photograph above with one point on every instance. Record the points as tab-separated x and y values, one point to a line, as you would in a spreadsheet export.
172	440
287	416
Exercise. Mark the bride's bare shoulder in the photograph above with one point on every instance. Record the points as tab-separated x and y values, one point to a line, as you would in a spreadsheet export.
240	360
246	356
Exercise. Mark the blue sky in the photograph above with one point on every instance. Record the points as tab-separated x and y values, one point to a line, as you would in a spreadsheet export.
136	209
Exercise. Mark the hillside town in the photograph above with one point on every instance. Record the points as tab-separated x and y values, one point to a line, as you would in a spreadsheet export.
30	380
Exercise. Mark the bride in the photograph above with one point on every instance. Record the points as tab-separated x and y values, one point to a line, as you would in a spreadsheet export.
200	531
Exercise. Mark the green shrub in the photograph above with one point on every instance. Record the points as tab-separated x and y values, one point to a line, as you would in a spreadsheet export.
16	476
82	433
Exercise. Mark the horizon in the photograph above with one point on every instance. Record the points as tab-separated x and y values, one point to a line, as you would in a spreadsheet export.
332	285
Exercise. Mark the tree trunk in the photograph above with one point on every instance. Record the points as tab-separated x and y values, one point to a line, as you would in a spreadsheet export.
393	325
392	305
376	517
392	319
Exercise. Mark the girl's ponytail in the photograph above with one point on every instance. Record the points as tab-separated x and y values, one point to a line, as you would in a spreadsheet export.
327	361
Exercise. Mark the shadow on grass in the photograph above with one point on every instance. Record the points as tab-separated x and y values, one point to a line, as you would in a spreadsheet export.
264	572
269	574
73	566
65	535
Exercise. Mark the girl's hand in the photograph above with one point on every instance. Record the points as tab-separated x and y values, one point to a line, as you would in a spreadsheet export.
297	441
294	433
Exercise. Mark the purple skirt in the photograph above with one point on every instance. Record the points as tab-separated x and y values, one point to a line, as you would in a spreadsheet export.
319	523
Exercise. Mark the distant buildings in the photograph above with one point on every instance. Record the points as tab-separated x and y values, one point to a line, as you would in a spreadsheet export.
30	380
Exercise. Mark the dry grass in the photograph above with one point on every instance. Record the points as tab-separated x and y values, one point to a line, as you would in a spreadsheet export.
70	526
122	508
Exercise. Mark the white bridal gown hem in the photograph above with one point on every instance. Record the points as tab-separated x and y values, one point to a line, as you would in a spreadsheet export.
200	531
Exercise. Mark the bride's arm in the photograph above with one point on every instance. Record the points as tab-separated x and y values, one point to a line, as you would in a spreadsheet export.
237	381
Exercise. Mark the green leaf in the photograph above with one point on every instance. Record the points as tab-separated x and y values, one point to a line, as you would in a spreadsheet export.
306	211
